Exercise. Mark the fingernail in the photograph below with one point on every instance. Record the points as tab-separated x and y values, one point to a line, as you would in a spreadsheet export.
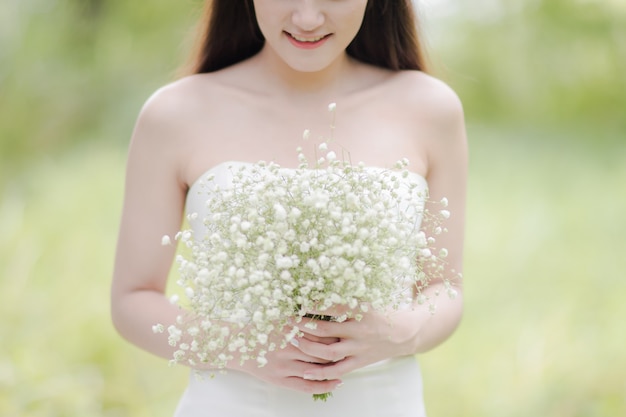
309	377
339	385
294	342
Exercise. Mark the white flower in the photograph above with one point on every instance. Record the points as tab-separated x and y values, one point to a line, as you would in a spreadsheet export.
305	247
295	213
284	262
324	262
279	212
311	325
175	333
257	317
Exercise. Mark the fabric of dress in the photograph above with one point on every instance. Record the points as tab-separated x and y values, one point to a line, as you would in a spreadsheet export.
390	388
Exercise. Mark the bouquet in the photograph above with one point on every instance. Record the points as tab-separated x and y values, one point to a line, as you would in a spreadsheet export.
281	243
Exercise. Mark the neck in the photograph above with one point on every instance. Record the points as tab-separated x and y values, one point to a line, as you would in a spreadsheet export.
284	80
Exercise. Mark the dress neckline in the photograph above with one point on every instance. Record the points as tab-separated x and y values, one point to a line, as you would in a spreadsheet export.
233	163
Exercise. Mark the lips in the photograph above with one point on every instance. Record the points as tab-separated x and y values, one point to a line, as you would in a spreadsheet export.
307	42
303	39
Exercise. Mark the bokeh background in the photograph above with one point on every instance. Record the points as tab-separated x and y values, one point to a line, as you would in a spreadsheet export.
545	95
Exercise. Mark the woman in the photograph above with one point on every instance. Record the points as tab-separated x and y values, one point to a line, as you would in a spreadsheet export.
265	71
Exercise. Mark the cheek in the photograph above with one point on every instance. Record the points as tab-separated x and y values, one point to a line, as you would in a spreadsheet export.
353	17
265	15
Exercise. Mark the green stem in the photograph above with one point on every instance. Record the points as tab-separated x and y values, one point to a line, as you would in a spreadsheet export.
322	397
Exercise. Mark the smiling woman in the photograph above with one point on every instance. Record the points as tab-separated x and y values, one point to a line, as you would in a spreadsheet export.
264	71
333	24
387	36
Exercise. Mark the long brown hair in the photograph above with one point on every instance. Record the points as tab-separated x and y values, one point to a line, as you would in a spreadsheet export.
388	36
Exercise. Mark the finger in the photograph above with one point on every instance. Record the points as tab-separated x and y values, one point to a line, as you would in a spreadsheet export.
313	387
300	368
322	328
333	311
333	352
306	332
294	353
317	339
330	372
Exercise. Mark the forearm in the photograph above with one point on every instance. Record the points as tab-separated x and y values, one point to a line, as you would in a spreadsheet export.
418	330
135	313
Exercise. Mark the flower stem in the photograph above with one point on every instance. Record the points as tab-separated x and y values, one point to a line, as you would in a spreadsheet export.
322	397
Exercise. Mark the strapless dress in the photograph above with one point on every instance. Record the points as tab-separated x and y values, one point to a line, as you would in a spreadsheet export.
390	388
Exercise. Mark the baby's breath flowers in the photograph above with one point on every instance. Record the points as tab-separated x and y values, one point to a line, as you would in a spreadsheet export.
275	244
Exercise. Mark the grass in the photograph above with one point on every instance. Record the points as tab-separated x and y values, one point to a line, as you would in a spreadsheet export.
544	283
544	288
61	356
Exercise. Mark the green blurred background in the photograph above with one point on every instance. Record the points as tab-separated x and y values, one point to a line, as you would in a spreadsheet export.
545	95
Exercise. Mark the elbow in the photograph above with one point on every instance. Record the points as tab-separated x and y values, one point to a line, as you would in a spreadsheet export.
457	305
121	311
116	312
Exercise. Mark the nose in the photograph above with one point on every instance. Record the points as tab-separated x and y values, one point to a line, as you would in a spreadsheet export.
307	15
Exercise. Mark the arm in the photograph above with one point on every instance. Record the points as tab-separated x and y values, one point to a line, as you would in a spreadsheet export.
379	335
447	177
153	207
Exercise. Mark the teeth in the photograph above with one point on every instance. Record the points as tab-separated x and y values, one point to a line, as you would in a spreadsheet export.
299	39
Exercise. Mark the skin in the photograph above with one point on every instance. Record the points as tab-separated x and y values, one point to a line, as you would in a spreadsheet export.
258	109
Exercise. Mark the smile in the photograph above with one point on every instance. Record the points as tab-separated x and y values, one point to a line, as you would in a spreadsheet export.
299	39
307	43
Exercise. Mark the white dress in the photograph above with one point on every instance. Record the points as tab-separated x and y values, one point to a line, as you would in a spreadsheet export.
390	388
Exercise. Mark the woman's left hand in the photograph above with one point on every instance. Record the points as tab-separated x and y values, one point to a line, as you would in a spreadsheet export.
377	336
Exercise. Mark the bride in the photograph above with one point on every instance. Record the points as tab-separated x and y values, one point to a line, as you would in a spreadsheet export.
265	70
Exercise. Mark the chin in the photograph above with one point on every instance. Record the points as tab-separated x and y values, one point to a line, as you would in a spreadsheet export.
306	61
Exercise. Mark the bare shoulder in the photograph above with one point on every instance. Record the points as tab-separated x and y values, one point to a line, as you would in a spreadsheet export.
164	129
174	103
171	118
434	113
427	96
